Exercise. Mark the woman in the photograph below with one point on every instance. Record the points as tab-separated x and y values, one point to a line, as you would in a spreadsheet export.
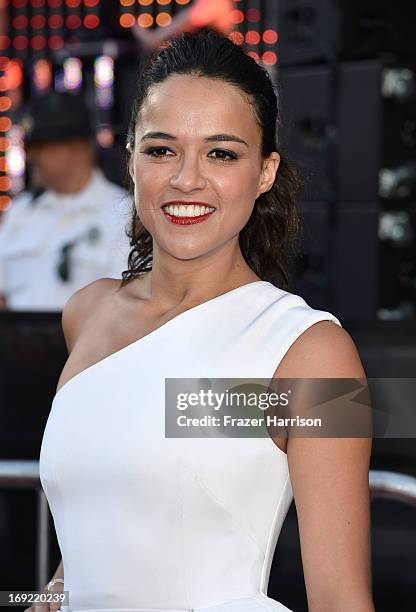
149	522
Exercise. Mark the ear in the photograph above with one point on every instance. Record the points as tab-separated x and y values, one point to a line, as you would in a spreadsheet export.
131	161
268	174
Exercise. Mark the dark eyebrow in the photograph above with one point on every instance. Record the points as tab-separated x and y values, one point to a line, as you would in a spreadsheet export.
215	138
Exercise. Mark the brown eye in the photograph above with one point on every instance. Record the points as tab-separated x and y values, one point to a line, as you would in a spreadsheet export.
151	150
231	156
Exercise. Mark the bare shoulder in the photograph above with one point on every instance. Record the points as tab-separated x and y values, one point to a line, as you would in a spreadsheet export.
84	304
323	350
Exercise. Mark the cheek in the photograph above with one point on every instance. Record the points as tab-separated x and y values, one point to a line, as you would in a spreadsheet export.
148	192
238	191
151	181
53	161
45	163
147	185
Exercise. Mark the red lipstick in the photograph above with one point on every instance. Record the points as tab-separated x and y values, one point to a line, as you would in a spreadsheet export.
186	220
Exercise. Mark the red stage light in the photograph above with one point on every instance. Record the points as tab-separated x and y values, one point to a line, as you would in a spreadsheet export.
91	21
270	37
55	42
20	42
237	16
236	37
5	125
5	103
55	21
73	22
253	37
269	58
5	202
127	20
253	15
145	20
38	21
163	19
38	42
19	22
5	182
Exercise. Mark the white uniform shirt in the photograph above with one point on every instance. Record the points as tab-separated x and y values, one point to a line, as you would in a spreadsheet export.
33	236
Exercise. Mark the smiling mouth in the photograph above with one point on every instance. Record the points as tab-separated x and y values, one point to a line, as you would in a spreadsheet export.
187	210
187	214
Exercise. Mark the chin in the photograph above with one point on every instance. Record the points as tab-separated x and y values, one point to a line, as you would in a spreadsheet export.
185	251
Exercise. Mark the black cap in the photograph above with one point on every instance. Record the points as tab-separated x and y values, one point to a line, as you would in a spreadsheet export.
56	116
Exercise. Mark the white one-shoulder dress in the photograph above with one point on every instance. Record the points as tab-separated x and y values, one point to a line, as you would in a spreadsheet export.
148	523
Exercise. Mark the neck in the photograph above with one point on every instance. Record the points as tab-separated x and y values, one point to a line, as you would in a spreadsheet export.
75	180
173	281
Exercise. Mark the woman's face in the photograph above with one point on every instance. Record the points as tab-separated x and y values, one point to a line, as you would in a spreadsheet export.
193	161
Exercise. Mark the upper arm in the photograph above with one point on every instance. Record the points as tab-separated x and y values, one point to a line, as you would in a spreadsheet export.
324	350
330	482
81	306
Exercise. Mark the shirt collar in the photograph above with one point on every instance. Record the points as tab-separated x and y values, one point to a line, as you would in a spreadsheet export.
52	199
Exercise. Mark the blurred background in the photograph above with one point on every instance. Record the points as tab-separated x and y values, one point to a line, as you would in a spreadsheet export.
346	77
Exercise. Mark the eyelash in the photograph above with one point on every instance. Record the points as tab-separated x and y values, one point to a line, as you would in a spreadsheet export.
233	156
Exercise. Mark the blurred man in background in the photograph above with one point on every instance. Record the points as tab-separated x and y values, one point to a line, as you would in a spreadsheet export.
71	229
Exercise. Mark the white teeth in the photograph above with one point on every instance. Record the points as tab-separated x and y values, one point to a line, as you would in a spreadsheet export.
183	210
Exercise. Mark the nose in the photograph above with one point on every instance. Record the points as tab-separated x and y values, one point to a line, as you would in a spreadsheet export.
188	176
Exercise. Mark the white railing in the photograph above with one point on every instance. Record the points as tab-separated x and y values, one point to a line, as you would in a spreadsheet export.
393	485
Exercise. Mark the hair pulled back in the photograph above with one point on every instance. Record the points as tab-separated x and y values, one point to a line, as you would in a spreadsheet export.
269	238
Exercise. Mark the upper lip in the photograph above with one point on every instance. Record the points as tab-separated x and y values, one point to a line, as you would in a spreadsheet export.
186	202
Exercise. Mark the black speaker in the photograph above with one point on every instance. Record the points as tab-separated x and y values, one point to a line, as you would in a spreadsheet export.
307	127
310	272
397	291
356	263
313	31
352	128
308	31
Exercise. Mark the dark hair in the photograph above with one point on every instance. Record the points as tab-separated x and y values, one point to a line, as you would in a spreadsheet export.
267	240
